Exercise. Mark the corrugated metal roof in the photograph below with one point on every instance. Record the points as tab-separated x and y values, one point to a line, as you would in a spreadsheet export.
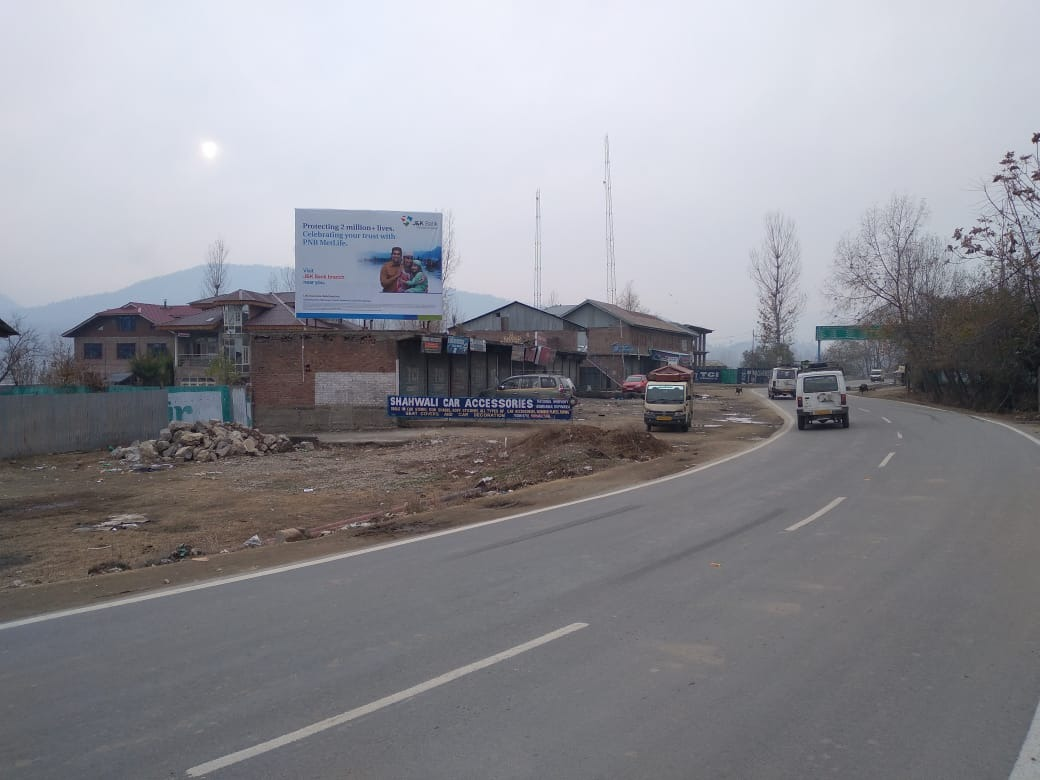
634	318
238	296
156	313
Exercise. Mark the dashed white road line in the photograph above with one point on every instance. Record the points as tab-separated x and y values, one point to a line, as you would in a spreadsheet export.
884	463
816	515
899	435
386	701
887	420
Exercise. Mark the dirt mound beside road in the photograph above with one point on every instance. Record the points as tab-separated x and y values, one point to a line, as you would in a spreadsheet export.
200	517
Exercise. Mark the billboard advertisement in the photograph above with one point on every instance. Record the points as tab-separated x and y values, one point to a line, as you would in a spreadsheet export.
368	265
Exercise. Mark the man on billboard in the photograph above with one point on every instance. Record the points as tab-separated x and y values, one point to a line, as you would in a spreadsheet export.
390	274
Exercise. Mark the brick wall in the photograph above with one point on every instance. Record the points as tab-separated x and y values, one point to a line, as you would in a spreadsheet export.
308	382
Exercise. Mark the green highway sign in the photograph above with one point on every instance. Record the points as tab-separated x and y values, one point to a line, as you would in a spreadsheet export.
846	333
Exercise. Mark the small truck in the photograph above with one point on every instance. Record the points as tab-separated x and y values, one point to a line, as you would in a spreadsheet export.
668	400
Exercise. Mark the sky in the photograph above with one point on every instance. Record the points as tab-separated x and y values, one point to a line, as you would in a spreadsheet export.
132	135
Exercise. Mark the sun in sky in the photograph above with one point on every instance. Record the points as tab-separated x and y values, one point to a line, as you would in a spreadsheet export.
209	149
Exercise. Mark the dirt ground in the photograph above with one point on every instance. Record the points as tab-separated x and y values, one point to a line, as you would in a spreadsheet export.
79	527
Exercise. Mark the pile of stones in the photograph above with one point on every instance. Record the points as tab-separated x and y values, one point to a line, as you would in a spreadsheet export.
202	442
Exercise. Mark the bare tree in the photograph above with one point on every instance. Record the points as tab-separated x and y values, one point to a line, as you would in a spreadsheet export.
282	280
215	277
20	355
58	366
451	259
629	300
776	270
893	273
1007	238
552	299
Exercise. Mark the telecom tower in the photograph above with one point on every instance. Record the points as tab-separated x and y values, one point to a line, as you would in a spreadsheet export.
611	273
538	249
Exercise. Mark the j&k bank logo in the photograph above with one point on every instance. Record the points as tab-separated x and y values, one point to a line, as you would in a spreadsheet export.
428	224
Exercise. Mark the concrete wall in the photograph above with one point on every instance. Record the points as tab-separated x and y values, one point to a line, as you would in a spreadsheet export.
40	424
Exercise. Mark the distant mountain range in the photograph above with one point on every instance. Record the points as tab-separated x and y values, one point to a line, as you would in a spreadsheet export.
180	287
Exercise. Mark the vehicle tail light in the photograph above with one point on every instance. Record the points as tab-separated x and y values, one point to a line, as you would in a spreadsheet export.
799	401
843	401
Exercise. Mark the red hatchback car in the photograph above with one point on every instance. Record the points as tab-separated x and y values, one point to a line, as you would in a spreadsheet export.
633	385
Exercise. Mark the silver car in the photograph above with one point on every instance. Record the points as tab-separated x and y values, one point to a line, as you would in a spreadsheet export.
533	386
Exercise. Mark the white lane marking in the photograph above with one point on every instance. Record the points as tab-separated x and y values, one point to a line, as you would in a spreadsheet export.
899	435
884	463
386	701
1028	765
1031	438
788	423
816	515
887	420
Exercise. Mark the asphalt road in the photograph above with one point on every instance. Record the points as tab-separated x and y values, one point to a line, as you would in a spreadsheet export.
852	603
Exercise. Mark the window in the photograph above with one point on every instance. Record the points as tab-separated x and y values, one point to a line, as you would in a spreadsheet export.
157	349
126	324
92	351
126	350
819	384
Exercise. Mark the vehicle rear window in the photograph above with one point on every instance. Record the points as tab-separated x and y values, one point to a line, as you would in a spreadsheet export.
819	384
786	373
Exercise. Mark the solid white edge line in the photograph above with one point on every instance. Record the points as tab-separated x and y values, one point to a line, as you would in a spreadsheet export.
788	422
386	701
1028	765
816	515
884	463
1012	428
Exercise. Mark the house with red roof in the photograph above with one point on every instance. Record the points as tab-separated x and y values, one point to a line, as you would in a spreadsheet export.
105	342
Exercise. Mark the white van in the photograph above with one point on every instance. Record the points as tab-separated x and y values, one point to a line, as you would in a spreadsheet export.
782	381
876	376
820	396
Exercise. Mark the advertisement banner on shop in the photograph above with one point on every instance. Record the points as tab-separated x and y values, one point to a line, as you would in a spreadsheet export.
475	408
368	264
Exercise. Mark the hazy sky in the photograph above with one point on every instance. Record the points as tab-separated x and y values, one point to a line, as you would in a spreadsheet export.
716	112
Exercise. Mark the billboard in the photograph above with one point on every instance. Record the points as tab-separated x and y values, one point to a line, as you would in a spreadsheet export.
368	265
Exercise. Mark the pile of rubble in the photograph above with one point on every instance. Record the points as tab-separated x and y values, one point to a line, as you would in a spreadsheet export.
203	441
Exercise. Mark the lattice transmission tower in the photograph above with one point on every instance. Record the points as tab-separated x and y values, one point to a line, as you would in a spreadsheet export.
538	249
611	270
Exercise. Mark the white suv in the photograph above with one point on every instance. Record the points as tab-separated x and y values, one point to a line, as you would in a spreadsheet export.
820	396
782	380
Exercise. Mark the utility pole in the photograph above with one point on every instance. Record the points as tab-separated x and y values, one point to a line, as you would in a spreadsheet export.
611	273
538	249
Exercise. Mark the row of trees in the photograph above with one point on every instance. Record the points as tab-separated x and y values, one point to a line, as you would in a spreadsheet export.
963	316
